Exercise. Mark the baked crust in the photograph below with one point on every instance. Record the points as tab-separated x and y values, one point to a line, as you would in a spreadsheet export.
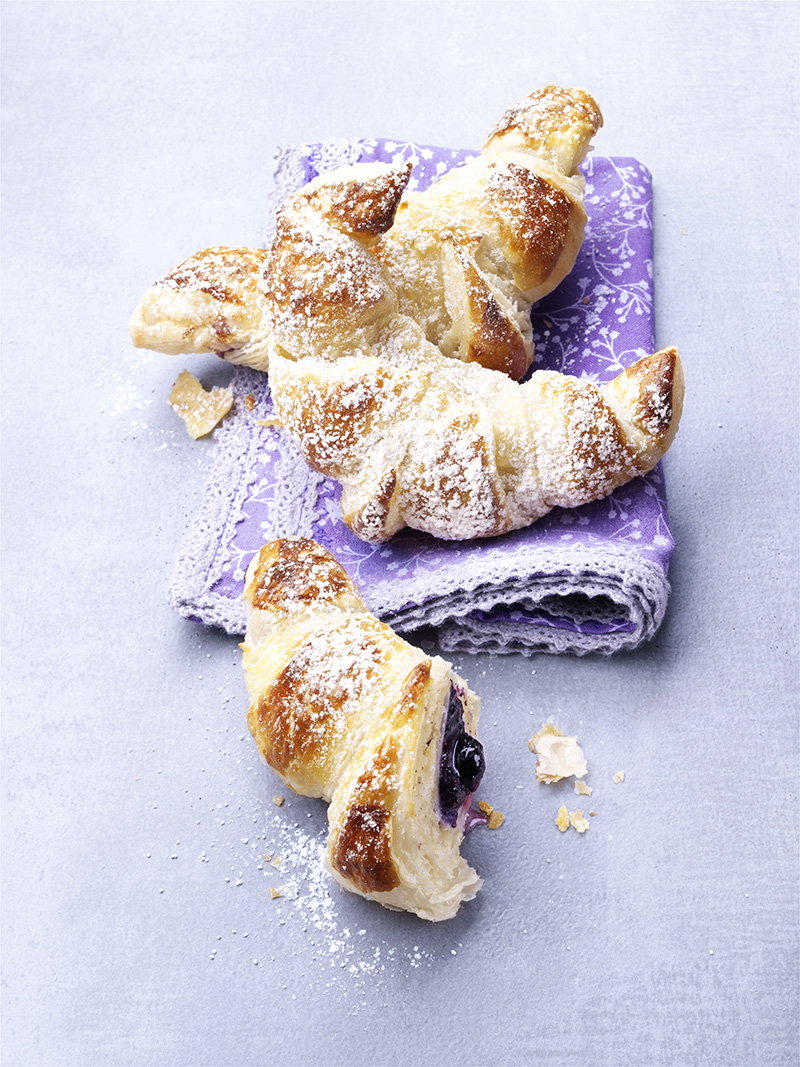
395	323
556	123
515	213
460	451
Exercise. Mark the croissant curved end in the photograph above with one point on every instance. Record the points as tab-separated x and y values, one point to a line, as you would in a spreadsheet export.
210	302
557	122
649	397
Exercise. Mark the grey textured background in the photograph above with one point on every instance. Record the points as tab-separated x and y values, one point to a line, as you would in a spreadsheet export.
138	927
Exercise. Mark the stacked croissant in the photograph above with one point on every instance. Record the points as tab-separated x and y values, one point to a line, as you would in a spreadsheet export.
395	327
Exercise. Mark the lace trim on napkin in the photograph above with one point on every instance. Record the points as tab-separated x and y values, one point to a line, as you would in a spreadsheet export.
244	450
589	580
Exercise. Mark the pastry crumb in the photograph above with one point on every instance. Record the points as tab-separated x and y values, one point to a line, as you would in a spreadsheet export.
583	789
575	819
559	756
578	821
619	776
493	818
274	893
276	861
593	813
200	409
249	402
270	423
278	801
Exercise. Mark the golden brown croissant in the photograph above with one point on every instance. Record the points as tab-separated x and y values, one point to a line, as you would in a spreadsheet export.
466	257
216	300
419	439
344	709
416	437
462	451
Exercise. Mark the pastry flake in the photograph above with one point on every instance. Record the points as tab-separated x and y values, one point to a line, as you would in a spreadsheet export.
201	409
559	756
578	822
494	818
575	819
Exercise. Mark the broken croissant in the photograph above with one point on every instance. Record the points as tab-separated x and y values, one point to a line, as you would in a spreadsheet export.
466	257
344	709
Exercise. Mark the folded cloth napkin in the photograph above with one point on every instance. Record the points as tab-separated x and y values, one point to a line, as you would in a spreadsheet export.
587	579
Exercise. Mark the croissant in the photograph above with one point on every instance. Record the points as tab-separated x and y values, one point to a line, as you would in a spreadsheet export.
365	298
466	257
344	709
417	438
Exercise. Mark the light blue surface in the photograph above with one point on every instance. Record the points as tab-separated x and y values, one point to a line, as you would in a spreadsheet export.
138	927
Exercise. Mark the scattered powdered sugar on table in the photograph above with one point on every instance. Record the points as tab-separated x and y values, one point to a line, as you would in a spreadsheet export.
297	892
253	836
122	384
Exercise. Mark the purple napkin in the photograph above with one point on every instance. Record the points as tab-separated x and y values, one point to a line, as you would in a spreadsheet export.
588	579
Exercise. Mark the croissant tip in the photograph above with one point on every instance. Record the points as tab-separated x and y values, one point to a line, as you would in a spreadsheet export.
360	199
648	396
658	380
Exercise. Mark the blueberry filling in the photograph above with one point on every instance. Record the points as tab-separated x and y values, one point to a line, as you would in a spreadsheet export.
461	765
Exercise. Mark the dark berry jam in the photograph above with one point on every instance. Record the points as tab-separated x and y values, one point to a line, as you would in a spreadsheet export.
462	764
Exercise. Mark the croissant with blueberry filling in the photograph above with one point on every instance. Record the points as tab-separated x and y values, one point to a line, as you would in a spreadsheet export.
344	709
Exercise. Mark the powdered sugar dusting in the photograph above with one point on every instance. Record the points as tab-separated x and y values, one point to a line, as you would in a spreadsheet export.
582	453
457	455
553	120
313	701
470	453
343	948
